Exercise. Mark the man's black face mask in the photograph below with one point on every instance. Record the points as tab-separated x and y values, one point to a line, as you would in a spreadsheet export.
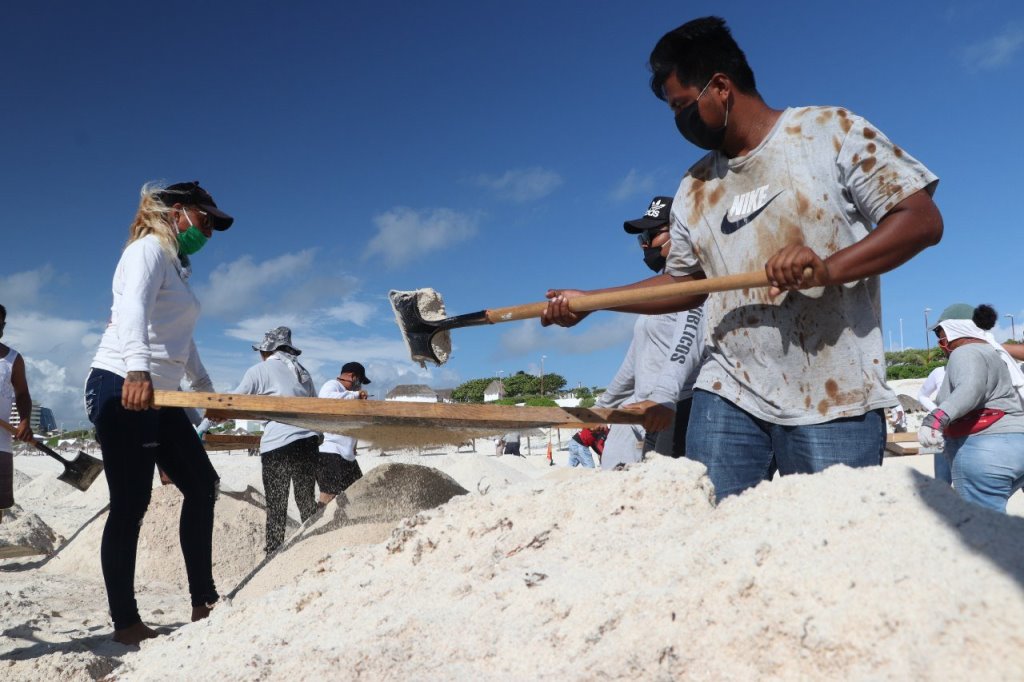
695	130
652	256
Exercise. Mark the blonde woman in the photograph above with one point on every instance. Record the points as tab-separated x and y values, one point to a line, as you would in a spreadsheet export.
148	344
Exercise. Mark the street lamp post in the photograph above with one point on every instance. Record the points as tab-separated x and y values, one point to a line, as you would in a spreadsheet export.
542	375
927	341
901	334
1013	328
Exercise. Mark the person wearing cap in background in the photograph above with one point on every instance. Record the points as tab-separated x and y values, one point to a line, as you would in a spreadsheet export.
337	468
979	417
13	393
288	454
795	371
661	364
148	344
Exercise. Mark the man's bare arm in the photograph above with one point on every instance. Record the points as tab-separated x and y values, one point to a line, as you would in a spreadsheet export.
558	311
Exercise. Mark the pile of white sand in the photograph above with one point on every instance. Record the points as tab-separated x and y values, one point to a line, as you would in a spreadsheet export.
23	533
238	540
364	515
878	573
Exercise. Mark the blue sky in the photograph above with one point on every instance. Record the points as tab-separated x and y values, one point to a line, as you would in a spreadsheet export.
488	150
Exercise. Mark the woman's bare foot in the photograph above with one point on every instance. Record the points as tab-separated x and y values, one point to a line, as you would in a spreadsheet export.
133	634
200	612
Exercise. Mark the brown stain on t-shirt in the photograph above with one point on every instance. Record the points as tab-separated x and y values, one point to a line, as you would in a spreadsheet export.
868	164
696	201
897	151
832	388
716	195
871	147
838	397
870	134
803	204
794	130
844	120
717	386
823	117
837	145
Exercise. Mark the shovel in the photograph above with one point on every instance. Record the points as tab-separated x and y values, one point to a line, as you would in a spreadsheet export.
79	472
427	336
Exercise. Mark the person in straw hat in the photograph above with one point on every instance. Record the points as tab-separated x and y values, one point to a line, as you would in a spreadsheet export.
288	454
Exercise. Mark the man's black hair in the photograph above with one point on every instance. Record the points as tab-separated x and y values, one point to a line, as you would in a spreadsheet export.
3	312
695	52
985	317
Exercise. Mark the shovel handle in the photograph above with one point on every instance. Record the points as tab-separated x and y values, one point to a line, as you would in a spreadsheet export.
38	445
659	292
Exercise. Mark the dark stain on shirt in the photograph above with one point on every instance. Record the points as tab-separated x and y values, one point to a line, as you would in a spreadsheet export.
870	134
717	385
716	195
868	164
803	204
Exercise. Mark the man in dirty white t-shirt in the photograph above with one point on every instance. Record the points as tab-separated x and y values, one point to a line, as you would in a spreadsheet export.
823	203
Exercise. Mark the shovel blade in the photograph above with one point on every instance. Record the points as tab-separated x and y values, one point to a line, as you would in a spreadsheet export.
81	471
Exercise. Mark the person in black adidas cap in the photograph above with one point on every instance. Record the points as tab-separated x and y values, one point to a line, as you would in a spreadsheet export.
659	369
338	468
148	344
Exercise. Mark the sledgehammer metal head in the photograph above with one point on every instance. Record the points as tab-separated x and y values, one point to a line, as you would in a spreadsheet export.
420	317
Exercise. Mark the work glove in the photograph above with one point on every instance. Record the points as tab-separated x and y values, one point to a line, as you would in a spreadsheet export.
932	428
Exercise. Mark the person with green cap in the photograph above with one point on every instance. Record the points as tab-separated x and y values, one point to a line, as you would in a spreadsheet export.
979	417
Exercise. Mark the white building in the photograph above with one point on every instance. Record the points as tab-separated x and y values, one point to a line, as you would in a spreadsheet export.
494	391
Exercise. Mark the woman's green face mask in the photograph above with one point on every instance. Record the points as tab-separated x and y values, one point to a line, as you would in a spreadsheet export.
192	239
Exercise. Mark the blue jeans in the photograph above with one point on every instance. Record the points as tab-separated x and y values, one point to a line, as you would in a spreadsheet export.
942	472
739	449
987	469
579	455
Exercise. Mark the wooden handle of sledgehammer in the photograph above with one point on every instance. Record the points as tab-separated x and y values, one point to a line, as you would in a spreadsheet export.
659	292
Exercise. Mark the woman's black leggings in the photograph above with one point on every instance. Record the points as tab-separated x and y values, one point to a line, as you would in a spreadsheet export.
132	444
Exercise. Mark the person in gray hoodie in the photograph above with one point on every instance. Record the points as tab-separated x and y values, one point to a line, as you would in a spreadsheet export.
289	455
979	417
659	369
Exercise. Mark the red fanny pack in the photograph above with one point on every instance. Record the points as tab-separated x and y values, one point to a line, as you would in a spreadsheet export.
973	422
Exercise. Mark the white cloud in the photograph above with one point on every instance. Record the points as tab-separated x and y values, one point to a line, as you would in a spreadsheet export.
529	337
242	285
57	355
23	289
997	51
352	311
403	235
635	183
522	185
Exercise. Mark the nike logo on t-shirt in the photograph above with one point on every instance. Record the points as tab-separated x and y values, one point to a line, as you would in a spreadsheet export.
749	206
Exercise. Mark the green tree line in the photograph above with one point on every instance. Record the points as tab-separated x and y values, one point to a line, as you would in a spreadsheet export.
520	385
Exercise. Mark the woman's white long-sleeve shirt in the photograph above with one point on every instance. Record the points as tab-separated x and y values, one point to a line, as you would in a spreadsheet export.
152	319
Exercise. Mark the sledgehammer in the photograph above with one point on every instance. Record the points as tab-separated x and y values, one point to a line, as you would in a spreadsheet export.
420	313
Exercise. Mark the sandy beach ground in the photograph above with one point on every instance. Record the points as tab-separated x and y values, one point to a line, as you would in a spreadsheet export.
538	572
